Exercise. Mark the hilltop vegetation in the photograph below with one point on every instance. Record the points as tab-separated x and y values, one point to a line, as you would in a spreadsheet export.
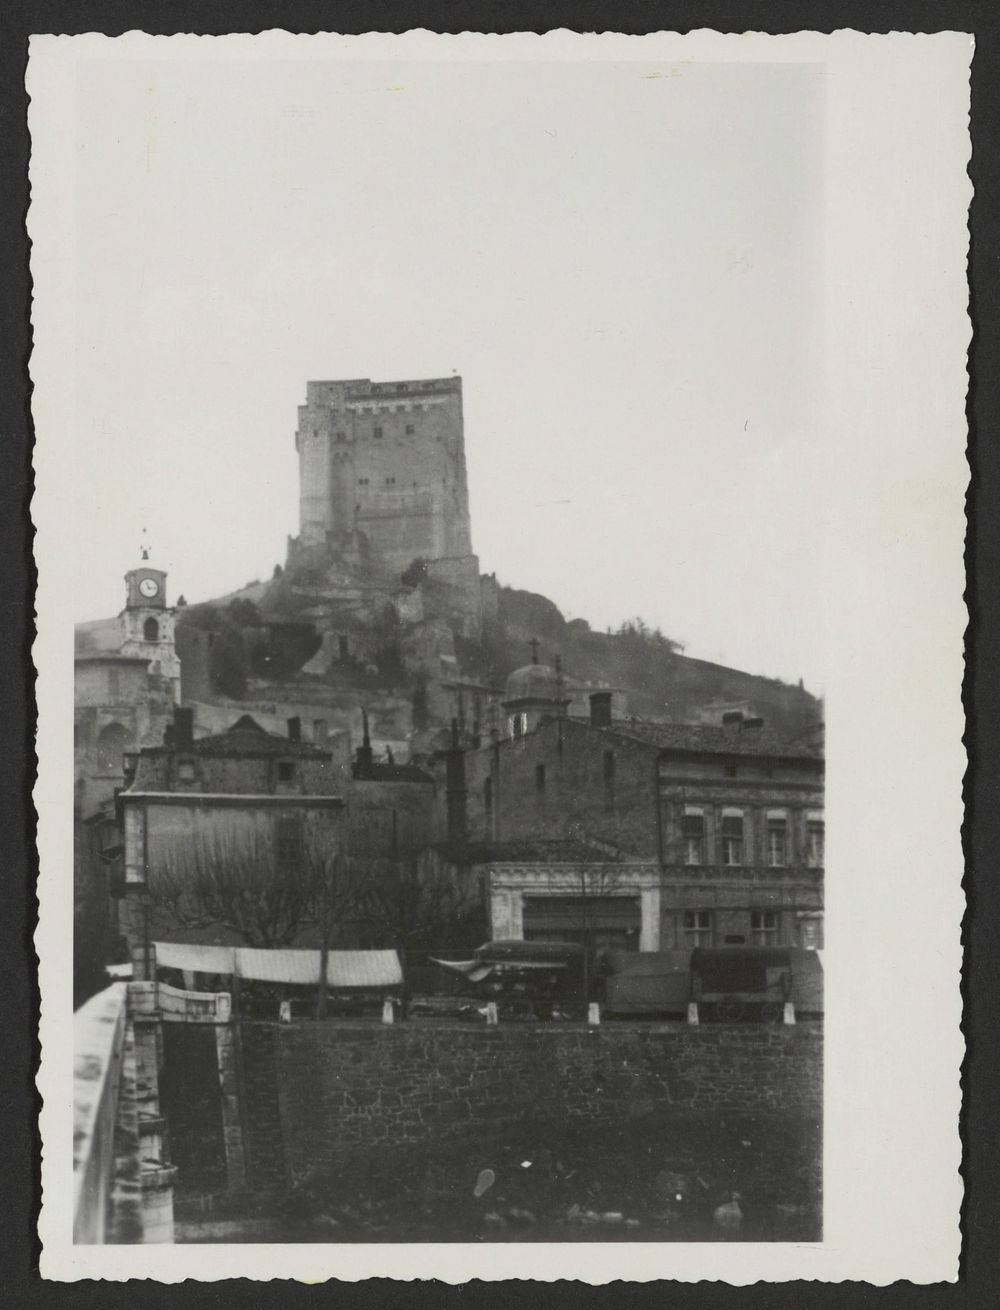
270	630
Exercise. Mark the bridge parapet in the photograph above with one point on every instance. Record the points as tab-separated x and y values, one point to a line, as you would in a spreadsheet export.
99	1039
123	1180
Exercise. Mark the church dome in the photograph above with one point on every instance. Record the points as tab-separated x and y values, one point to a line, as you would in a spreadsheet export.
535	682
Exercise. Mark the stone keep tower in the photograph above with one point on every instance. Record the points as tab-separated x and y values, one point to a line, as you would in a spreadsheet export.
382	465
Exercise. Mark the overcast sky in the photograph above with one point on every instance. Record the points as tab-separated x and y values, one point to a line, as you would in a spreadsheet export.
623	261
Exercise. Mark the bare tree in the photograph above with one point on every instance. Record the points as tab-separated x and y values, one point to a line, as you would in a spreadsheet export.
597	883
405	899
414	900
264	895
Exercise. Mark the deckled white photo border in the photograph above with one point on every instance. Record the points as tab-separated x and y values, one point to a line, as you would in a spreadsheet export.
891	515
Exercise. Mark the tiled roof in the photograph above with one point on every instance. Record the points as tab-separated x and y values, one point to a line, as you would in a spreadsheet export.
246	737
97	636
392	773
108	657
706	738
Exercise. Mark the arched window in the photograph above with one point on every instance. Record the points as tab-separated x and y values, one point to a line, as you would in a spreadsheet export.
112	743
151	630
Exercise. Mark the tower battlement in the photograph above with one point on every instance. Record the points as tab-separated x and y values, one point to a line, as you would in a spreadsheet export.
385	462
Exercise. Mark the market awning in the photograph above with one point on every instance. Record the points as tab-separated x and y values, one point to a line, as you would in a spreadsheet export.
477	970
293	967
195	959
474	970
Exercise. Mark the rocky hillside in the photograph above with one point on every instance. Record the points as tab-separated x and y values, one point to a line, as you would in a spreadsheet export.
269	633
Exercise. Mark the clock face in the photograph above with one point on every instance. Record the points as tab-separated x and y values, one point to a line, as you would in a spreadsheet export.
149	587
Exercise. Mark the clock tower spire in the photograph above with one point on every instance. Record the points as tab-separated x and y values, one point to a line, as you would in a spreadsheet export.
148	623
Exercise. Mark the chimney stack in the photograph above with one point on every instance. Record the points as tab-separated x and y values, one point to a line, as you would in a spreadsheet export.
600	709
732	718
364	756
295	728
183	728
455	793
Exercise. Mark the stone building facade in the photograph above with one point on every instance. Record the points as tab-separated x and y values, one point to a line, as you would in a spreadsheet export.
390	807
714	833
126	684
243	793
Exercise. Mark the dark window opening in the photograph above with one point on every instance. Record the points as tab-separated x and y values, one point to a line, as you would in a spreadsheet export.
730	770
732	839
410	429
694	838
777	843
286	771
488	798
111	746
151	630
376	431
814	843
539	777
697	928
764	927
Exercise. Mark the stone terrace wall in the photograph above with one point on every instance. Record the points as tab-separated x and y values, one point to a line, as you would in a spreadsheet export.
317	1091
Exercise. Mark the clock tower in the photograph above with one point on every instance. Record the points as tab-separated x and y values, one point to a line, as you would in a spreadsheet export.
148	624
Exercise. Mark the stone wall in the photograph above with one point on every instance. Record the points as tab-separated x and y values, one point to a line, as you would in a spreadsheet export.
386	462
312	1093
593	786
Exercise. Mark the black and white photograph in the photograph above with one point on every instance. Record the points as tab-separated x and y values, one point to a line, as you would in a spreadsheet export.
464	492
